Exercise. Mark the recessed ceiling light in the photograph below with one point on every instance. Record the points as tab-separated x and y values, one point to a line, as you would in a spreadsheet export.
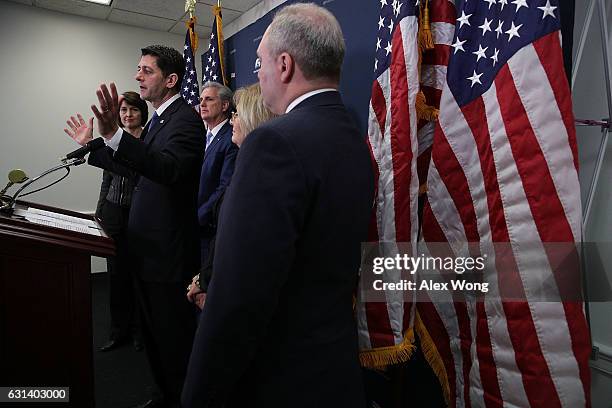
104	2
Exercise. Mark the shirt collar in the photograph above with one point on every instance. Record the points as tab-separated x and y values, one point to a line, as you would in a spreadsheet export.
307	95
165	105
217	128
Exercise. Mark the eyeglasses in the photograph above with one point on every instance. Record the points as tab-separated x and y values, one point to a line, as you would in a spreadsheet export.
234	117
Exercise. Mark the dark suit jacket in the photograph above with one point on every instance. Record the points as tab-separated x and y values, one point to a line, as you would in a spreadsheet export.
277	329
216	174
163	228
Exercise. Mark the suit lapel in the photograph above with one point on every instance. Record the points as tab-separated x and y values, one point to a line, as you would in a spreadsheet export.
163	120
215	142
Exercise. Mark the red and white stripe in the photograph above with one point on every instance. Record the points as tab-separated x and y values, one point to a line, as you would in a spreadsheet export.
442	16
504	169
392	136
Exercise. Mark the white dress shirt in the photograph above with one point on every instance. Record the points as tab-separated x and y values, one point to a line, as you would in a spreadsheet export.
307	95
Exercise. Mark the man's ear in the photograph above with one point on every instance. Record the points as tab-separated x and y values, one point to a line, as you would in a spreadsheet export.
171	80
286	65
225	106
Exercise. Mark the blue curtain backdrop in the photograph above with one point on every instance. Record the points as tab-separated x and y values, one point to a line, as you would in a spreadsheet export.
358	20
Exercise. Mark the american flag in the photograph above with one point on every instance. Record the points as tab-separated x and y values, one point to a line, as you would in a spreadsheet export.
190	90
213	68
385	329
433	74
504	168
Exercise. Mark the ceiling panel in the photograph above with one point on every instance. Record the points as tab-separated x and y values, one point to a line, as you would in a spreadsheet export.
172	9
238	5
161	15
79	8
205	14
141	20
28	2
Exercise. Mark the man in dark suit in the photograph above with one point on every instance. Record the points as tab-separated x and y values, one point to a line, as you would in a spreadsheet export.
219	158
163	227
277	328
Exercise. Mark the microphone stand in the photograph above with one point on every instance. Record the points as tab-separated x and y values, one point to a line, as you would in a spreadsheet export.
7	202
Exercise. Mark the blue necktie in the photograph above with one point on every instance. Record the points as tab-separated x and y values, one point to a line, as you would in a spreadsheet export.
153	121
209	138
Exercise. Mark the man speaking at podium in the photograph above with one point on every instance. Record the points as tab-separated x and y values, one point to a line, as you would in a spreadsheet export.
163	224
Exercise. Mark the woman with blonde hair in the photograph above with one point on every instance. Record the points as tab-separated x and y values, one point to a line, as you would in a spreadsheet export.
250	113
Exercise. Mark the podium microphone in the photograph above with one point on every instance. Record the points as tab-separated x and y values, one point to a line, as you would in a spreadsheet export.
90	146
16	176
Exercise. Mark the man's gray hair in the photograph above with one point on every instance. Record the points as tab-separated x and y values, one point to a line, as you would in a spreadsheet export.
224	92
312	36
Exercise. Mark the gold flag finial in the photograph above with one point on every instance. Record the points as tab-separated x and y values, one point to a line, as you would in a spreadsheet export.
190	7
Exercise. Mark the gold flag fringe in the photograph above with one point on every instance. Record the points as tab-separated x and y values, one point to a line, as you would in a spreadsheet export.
386	356
423	110
193	37
432	356
425	35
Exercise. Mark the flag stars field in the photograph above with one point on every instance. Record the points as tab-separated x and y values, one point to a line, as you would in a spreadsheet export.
519	4
548	10
513	31
499	29
464	19
475	78
486	26
458	45
480	53
190	78
494	56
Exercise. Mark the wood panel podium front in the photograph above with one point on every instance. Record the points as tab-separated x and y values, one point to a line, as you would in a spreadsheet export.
45	300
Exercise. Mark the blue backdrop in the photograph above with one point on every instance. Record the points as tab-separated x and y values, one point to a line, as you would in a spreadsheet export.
358	20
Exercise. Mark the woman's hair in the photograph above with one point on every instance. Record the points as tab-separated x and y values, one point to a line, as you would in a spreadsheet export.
133	98
250	107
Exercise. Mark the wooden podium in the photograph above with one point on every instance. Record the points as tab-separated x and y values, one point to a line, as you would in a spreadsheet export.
45	300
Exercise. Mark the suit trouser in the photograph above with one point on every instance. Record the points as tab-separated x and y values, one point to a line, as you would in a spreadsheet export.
125	321
168	327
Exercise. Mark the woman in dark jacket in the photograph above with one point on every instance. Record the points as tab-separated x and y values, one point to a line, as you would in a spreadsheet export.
112	210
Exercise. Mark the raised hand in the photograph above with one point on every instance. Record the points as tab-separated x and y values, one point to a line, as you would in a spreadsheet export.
195	294
79	130
108	113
